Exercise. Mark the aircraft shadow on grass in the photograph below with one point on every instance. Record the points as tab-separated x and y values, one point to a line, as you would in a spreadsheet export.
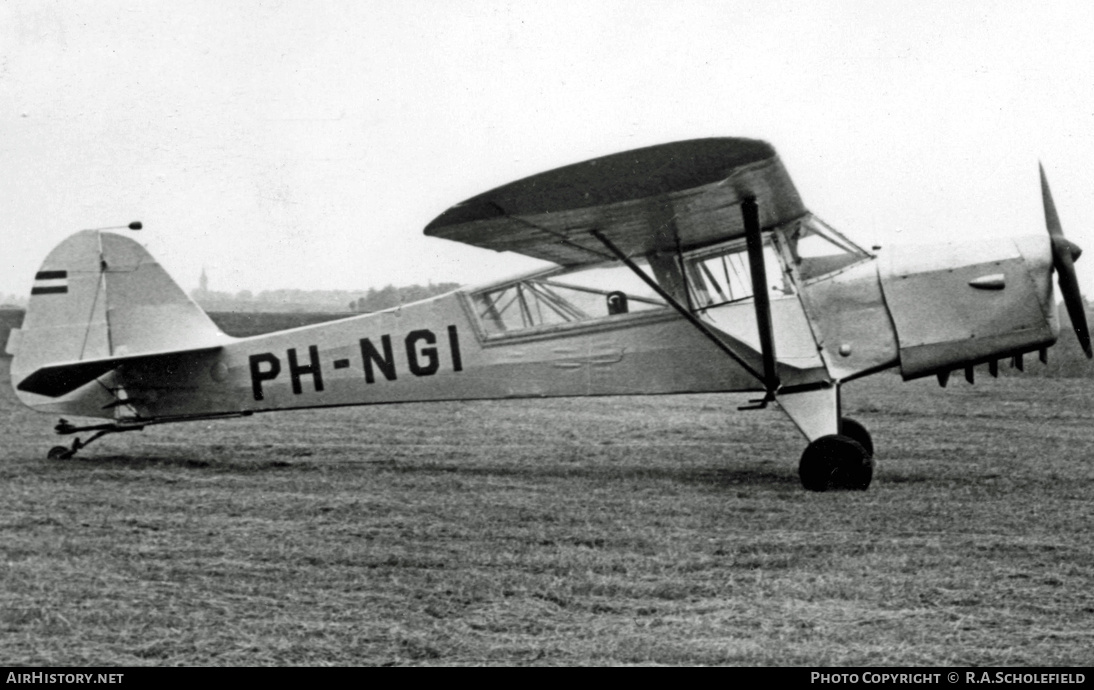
705	476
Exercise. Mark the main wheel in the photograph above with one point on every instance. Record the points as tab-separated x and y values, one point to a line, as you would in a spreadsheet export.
852	429
59	453
836	462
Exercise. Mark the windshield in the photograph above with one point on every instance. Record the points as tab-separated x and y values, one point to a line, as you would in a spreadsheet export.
816	249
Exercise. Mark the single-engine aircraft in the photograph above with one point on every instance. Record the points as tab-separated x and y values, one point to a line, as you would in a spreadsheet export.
684	267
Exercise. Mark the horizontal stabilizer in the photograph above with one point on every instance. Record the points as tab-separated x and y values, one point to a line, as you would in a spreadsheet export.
56	380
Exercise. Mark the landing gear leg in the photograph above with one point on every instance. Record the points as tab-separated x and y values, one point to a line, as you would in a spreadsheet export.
840	454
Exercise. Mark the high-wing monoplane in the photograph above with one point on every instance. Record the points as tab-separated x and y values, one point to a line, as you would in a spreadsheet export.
685	267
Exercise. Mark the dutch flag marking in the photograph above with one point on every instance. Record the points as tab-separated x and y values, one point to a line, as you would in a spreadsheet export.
50	283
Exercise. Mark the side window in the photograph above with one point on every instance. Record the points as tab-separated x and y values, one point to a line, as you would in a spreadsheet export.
724	275
523	305
562	297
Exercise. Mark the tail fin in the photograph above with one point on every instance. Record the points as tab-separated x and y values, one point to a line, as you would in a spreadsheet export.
99	296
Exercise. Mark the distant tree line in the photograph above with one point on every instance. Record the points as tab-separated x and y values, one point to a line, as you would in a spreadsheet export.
13	301
391	296
314	301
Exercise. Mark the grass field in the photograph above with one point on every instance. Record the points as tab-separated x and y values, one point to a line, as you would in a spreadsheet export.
663	530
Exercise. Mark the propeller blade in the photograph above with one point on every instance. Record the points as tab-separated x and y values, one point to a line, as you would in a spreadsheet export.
1052	219
1064	254
1073	298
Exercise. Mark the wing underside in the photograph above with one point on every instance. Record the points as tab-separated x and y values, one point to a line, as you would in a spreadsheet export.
670	197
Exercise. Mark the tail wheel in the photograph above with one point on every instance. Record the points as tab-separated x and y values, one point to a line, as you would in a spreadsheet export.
59	453
836	462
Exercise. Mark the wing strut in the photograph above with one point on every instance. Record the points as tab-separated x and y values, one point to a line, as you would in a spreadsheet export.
750	210
684	311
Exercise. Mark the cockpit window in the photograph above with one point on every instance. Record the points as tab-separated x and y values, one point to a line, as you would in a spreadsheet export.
562	297
723	275
816	249
701	278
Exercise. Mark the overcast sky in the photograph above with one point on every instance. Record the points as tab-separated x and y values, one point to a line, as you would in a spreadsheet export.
306	144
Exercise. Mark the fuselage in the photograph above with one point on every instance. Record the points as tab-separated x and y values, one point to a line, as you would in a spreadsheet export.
836	316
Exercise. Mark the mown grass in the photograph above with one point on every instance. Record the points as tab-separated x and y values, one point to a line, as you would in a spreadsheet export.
662	530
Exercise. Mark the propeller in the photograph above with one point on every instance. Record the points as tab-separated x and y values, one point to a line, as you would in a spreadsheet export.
1064	255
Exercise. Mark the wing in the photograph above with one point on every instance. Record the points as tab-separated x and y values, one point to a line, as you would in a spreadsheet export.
685	194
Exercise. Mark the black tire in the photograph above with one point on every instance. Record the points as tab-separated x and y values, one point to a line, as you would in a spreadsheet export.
853	429
836	462
59	453
855	474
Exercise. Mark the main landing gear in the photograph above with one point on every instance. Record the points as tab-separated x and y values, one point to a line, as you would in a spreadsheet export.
839	461
65	427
